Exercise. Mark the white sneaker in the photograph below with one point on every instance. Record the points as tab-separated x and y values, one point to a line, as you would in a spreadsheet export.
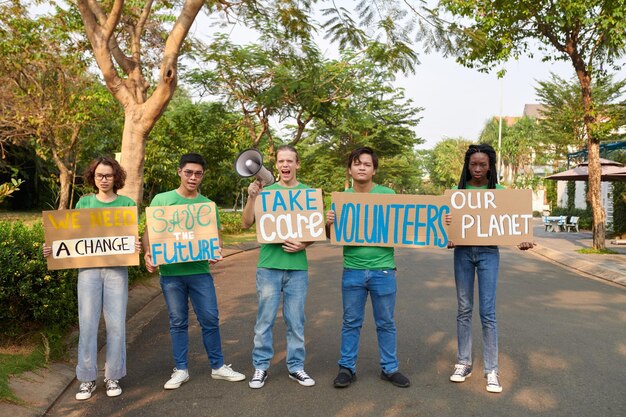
493	383
461	372
179	377
85	390
227	373
113	387
302	378
258	379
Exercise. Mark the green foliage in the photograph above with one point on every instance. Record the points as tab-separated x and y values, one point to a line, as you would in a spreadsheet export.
32	296
446	162
206	128
571	195
619	208
9	188
230	221
585	218
551	194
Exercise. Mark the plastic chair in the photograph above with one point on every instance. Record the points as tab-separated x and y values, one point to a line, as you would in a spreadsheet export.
572	225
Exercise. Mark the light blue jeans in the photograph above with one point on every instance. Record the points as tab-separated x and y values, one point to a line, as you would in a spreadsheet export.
102	290
177	290
269	284
483	261
381	285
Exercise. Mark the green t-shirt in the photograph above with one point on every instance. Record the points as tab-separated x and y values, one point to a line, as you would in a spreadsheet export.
90	201
272	255
172	198
482	187
369	257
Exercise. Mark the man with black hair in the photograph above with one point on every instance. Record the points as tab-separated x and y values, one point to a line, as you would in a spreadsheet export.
190	280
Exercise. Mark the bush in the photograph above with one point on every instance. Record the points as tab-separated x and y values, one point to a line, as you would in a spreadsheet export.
32	297
585	218
230	221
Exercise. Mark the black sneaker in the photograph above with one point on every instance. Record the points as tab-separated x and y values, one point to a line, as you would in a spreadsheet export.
396	379
258	379
344	378
302	378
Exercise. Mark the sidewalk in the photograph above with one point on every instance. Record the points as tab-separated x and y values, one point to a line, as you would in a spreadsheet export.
561	247
40	389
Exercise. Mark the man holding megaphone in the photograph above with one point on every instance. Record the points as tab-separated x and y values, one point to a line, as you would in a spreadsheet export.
282	267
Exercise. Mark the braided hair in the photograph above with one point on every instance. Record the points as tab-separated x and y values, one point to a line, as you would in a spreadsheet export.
492	174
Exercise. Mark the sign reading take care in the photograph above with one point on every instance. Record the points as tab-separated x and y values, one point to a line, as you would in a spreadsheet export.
490	217
90	238
183	233
365	219
296	214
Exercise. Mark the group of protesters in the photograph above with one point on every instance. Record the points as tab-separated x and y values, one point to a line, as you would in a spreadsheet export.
282	269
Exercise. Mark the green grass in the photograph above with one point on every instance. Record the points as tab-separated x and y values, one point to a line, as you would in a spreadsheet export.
233	239
16	362
591	251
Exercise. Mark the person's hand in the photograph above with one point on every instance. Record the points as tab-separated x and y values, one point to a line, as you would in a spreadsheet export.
450	244
150	266
330	217
254	189
526	245
448	219
47	250
138	245
293	246
218	258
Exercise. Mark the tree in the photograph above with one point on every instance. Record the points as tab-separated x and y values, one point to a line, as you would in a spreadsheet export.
446	162
590	34
48	97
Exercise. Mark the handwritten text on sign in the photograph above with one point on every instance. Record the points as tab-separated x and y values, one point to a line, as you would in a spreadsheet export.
389	220
91	238
490	217
290	214
184	233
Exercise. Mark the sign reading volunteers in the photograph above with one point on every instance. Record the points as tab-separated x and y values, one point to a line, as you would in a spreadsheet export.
490	217
91	238
365	219
296	214
184	233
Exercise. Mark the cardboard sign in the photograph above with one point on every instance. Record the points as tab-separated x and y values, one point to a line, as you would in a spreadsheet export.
290	214
363	219
91	238
184	233
490	217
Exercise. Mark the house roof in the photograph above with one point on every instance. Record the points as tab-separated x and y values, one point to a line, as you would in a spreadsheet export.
533	110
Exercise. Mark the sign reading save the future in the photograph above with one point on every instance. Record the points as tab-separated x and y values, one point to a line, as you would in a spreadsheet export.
296	213
183	233
389	220
490	217
90	238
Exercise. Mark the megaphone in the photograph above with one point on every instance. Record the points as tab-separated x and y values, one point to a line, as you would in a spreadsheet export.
250	163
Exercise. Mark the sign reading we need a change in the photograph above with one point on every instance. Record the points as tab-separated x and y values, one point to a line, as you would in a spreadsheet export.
183	233
490	217
365	219
296	213
91	238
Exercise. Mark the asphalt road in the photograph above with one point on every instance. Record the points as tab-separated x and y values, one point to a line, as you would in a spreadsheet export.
562	349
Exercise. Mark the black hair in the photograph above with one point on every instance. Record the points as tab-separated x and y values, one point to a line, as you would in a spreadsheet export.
192	158
355	154
492	174
119	175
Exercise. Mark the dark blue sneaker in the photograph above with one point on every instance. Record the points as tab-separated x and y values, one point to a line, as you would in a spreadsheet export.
461	372
396	379
344	378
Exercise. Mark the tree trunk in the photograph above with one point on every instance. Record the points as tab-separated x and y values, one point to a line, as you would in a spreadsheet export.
133	151
65	182
595	169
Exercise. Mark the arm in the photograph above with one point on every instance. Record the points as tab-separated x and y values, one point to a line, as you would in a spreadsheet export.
147	257
247	218
330	219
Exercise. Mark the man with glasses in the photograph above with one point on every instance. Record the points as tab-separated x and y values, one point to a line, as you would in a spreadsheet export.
190	280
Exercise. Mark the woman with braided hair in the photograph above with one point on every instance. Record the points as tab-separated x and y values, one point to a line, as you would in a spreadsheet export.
479	172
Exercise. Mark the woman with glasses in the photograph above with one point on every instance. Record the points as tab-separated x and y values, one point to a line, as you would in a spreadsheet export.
102	290
479	172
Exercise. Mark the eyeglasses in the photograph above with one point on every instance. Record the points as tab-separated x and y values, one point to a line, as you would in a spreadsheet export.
189	173
101	177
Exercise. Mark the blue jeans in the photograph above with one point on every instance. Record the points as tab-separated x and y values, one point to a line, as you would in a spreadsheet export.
102	290
177	290
269	284
381	285
483	261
